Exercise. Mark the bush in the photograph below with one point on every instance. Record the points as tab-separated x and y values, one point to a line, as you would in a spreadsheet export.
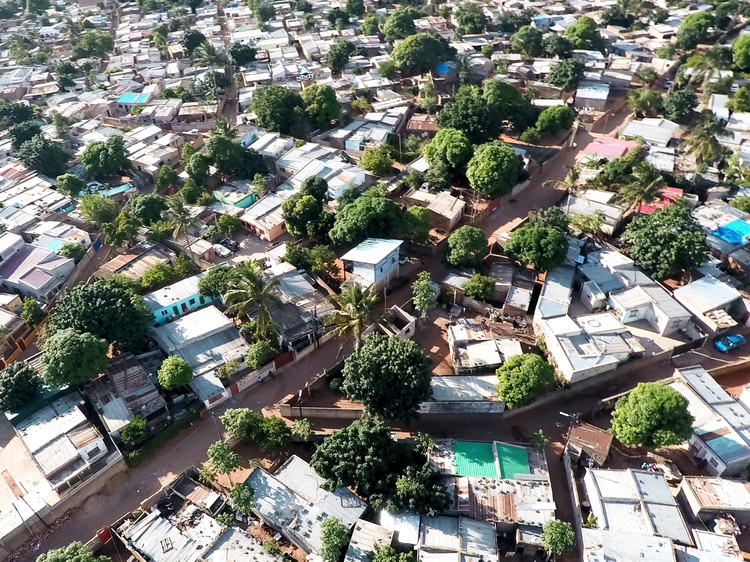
530	136
134	431
136	456
174	373
257	353
480	287
272	548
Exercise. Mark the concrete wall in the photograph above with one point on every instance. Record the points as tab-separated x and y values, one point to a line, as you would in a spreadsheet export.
72	499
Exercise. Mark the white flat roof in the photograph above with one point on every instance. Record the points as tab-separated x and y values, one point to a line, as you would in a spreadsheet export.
372	250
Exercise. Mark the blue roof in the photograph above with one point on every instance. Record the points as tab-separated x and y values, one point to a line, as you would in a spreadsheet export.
443	68
726	447
55	244
132	98
735	232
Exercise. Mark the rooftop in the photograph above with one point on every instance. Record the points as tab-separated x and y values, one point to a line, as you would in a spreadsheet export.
372	251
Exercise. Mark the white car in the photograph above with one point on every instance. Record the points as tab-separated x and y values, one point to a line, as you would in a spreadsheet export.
222	251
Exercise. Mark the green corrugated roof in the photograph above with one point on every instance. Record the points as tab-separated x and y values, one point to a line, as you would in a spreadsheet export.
474	459
513	460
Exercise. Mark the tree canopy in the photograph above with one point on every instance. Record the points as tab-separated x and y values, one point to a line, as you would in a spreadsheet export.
420	53
377	160
470	18
390	376
43	156
566	73
19	383
106	310
473	114
334	536
322	106
425	295
451	148
241	53
148	208
694	30
555	119
275	107
679	103
543	247
522	378
584	34
74	552
104	159
174	373
652	415
365	457
558	537
399	25
366	217
72	357
338	56
467	247
494	169
69	184
741	53
666	241
479	287
527	40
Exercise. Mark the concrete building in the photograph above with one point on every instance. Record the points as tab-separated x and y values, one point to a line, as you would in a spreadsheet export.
721	431
445	210
177	299
637	502
373	263
31	271
711	302
707	499
450	538
294	502
480	348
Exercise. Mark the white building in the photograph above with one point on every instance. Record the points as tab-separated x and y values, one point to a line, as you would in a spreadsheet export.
373	263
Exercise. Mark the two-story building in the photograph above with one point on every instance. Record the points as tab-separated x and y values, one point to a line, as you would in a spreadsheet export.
31	271
373	263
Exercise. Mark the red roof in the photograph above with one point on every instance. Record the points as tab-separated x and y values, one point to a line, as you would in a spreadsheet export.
609	146
668	194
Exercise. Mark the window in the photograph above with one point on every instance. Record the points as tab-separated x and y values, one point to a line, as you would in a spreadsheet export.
163	312
93	452
191	301
713	461
381	270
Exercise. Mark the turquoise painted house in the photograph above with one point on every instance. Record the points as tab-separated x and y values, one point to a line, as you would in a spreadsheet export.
176	300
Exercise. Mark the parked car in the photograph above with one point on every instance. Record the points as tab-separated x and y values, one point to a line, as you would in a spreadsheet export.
232	245
222	251
729	343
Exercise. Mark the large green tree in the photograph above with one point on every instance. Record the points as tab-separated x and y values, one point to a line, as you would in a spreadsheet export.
118	315
105	159
377	160
666	241
470	18
508	104
467	247
216	281
555	119
367	217
493	170
558	537
301	213
420	53
43	156
241	53
543	247
72	357
566	73
741	53
652	415
399	25
424	293
584	34
527	40
322	106
451	148
69	184
679	103
694	30
19	383
522	378
174	373
21	132
390	376
338	57
472	113
148	208
276	108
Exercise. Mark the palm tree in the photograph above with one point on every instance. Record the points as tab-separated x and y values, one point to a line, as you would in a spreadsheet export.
645	186
206	54
736	170
250	292
645	101
71	29
180	217
358	310
224	129
702	143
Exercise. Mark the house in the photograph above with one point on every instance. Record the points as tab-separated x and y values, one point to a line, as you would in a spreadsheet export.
606	148
137	260
31	271
125	391
366	538
651	303
445	210
502	484
265	217
708	499
455	538
480	348
463	394
294	502
720	443
205	338
591	96
373	264
612	546
586	441
635	501
655	131
711	302
176	299
589	345
62	441
593	201
727	234
301	311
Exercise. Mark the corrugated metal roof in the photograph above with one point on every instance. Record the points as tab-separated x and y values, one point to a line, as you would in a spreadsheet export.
372	250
